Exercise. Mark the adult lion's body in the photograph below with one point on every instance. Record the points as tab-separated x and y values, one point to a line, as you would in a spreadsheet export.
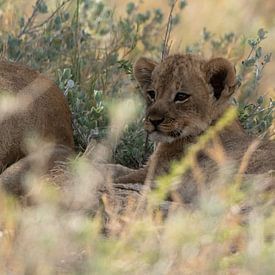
31	106
186	95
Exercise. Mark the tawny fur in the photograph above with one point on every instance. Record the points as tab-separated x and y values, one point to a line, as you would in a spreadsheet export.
38	108
175	124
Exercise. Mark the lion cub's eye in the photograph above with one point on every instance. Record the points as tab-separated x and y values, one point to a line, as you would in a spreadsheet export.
181	97
151	94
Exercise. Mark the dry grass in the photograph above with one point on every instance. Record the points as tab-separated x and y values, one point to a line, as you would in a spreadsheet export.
80	224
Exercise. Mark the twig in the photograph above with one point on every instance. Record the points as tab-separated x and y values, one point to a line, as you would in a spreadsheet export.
252	49
30	20
50	17
166	45
76	69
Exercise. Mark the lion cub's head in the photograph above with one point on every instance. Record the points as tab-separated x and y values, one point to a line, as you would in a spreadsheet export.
184	94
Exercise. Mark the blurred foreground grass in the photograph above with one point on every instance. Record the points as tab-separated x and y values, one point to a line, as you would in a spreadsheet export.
90	50
72	229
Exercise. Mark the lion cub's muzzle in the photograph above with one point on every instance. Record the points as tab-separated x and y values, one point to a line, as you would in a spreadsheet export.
156	122
160	130
153	123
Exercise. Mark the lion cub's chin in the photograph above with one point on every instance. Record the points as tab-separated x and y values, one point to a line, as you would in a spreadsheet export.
185	132
160	137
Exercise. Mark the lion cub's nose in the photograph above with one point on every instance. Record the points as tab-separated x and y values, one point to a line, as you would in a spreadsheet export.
156	122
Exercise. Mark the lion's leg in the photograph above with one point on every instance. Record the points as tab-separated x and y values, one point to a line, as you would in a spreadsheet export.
11	180
117	170
135	176
118	173
38	163
10	148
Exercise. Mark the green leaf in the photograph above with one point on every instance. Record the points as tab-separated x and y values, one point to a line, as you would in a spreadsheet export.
99	8
258	52
267	58
175	20
260	100
130	7
262	33
21	22
42	7
67	74
229	37
253	43
250	62
66	16
143	17
158	15
14	47
57	23
182	4
97	95
206	34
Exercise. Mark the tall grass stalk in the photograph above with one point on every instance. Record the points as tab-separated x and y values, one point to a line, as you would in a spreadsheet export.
165	183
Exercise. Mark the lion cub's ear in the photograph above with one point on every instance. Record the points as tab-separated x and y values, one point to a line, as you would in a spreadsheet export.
143	69
221	75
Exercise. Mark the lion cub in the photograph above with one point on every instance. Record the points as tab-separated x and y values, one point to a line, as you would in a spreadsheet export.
30	105
186	94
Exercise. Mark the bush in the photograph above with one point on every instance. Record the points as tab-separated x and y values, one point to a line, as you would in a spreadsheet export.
91	57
